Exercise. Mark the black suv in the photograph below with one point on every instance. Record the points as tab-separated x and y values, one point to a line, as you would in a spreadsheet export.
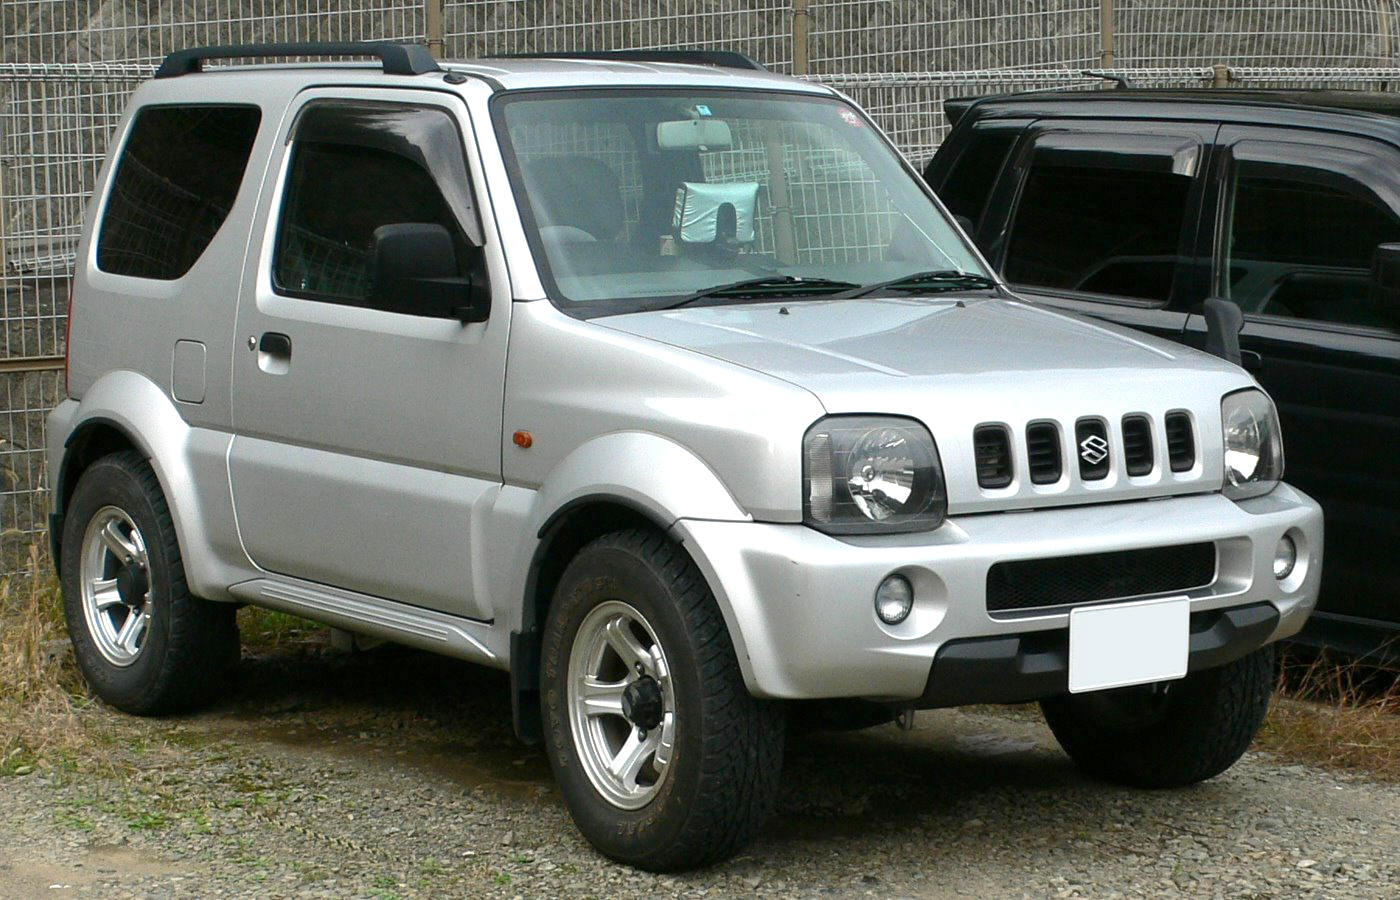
1136	205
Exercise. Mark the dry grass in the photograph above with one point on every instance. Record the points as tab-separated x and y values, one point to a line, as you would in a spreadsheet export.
1337	715
40	693
1341	716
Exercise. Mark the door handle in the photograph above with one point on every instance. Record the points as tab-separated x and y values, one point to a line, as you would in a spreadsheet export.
274	352
275	343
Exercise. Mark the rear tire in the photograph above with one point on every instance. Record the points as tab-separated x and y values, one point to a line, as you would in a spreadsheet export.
143	643
1170	734
633	612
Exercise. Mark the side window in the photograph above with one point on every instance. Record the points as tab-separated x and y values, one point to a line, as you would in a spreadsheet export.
1300	243
175	183
969	183
1098	229
357	166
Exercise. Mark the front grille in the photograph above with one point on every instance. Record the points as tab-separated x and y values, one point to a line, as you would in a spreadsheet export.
1137	445
1181	444
1066	580
1043	452
992	446
1091	445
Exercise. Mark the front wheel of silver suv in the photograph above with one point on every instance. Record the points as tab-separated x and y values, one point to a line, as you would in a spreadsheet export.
665	760
1169	734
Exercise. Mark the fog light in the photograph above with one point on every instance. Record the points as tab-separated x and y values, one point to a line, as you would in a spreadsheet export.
894	598
1285	557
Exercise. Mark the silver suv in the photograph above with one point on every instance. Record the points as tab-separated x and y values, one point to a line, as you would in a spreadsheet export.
664	384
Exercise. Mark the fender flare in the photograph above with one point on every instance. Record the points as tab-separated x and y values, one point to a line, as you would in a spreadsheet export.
139	409
655	479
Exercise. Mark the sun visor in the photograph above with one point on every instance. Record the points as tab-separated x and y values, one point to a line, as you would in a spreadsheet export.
710	213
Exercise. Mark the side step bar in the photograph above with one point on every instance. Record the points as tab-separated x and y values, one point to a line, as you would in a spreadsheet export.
398	622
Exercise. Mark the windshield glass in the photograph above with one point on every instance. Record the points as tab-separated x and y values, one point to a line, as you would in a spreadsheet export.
634	198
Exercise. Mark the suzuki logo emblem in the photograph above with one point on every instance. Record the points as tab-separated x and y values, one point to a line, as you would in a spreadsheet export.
1093	449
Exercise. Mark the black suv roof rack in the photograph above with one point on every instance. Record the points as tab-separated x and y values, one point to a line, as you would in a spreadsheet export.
397	59
722	59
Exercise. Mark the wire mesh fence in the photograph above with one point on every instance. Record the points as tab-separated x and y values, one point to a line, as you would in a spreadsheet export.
68	66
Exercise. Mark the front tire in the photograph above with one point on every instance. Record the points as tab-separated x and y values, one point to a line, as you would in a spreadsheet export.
1166	735
664	759
143	643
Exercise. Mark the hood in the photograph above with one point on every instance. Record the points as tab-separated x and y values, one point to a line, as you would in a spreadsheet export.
837	348
956	364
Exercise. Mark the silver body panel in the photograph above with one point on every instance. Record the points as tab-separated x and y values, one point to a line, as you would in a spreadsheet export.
374	484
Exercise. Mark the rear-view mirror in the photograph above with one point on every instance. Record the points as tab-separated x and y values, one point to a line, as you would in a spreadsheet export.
1385	282
693	134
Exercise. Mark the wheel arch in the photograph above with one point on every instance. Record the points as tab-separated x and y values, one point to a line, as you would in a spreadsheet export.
91	440
615	481
126	410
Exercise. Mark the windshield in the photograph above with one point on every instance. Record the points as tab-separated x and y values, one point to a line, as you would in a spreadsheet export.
634	198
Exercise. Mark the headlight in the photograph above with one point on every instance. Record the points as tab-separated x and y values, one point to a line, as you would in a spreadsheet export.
1253	444
871	474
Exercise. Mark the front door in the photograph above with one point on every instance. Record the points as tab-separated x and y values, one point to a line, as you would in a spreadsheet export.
1103	220
1299	221
366	438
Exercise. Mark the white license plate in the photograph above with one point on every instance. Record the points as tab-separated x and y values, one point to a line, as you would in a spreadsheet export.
1128	643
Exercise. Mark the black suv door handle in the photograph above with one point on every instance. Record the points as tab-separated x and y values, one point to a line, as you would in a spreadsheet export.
275	343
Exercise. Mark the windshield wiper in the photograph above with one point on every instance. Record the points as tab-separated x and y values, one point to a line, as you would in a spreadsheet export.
767	286
932	282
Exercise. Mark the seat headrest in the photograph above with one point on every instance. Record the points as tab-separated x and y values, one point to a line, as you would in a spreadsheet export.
577	191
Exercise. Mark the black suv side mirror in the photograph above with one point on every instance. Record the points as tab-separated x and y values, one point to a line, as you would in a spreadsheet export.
1385	282
416	272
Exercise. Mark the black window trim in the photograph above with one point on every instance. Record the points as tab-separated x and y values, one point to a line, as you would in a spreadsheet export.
981	129
119	155
1223	217
1021	160
473	230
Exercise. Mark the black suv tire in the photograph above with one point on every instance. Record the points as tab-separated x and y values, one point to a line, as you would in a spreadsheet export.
187	645
721	778
1170	734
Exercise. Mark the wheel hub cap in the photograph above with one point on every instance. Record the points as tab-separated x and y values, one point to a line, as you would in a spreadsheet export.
642	703
132	585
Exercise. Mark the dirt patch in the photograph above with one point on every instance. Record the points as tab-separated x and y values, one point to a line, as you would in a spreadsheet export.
394	774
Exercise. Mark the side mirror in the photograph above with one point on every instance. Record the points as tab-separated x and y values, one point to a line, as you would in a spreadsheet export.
1223	323
416	273
1385	281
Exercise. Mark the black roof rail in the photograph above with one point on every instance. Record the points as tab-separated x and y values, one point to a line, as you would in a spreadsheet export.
723	59
397	59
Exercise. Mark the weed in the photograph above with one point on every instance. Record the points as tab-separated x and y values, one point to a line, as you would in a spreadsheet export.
1340	715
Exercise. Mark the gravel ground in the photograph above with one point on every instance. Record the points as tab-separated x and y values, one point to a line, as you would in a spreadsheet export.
393	774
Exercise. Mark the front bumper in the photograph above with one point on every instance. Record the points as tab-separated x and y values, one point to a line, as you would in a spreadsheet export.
799	603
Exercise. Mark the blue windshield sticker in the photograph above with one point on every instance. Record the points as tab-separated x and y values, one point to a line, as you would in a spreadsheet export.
703	110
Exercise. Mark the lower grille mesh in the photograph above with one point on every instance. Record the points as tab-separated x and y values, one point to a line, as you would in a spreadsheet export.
1065	580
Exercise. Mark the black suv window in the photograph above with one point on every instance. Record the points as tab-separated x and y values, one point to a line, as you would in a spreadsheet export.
1100	230
1300	243
969	184
356	166
175	183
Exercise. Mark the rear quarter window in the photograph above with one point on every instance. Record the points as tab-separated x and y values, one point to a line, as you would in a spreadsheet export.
175	182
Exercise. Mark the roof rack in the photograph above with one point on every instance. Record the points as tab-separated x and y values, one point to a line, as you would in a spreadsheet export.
723	59
397	59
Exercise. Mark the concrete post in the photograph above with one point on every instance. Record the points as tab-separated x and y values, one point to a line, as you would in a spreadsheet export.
1106	34
433	21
